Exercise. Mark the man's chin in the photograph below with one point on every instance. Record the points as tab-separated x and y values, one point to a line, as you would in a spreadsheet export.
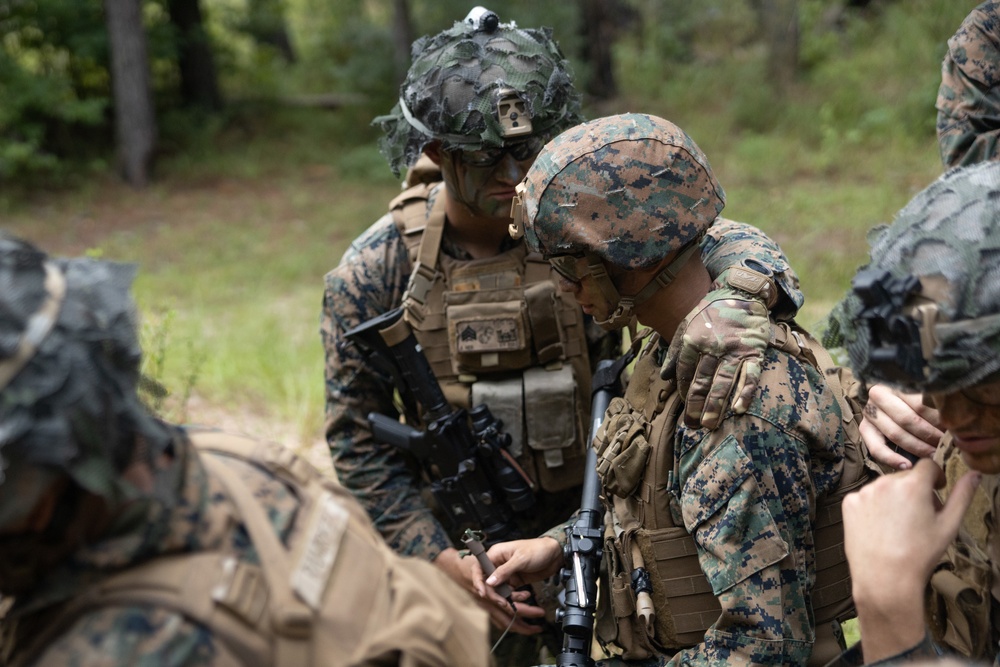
987	463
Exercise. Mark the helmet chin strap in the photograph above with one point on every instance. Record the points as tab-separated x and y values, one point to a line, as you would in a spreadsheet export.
624	311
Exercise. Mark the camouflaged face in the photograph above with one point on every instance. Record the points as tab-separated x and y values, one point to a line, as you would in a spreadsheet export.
73	406
451	90
942	252
968	100
630	188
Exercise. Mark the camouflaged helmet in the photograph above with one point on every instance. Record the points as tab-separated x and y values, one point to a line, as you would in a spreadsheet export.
69	367
478	85
630	188
924	314
625	190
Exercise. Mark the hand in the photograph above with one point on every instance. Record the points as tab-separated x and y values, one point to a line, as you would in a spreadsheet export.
723	344
521	562
895	531
469	575
892	417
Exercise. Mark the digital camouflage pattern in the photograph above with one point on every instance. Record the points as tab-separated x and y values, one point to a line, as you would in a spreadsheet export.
968	101
451	90
370	280
629	188
941	253
194	514
747	492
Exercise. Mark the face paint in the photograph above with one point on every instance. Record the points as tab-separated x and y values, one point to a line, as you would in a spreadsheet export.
487	190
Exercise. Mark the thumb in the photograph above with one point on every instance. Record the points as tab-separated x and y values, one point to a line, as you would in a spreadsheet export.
501	575
960	499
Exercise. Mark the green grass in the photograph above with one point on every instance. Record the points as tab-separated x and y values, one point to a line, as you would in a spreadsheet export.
243	221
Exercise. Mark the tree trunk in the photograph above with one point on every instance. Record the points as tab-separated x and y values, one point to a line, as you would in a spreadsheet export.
199	83
780	21
266	24
598	32
402	37
135	120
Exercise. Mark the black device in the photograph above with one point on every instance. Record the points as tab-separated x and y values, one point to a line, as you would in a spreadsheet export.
584	548
475	480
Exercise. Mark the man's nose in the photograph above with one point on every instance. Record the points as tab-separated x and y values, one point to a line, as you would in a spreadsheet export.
510	170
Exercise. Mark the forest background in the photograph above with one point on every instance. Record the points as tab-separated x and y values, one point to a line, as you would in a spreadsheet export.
249	164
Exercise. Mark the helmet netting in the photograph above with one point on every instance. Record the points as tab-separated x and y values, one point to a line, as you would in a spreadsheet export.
450	91
948	238
74	404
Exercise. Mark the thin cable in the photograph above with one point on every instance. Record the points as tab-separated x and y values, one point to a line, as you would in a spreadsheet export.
509	625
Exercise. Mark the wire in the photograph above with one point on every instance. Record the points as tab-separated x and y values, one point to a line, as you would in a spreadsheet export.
509	625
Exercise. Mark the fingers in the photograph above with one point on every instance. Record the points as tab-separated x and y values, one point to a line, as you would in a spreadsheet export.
718	393
879	448
904	420
746	386
699	389
959	500
685	363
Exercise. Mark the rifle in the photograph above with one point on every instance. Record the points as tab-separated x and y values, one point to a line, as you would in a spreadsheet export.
473	477
583	549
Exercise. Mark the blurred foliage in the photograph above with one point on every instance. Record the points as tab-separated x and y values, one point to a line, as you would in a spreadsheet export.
253	205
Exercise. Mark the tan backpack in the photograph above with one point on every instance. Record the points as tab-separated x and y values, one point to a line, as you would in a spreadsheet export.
337	595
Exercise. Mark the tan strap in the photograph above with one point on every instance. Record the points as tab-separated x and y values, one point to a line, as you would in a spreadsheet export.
38	326
291	619
425	268
545	329
188	584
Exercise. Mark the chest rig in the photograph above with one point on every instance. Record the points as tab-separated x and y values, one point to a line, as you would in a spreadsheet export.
660	600
330	596
963	599
498	332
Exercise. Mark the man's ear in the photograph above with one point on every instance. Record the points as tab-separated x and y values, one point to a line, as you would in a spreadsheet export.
433	151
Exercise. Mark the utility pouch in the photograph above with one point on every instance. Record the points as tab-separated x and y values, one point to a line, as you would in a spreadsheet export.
622	449
617	622
551	416
960	601
488	336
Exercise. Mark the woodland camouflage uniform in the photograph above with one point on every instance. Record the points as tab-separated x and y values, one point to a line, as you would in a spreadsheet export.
627	191
968	102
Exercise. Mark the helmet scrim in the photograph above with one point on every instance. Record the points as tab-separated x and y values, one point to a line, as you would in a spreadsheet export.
478	85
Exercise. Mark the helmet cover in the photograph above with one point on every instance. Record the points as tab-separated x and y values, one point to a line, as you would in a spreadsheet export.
924	314
463	83
68	398
629	188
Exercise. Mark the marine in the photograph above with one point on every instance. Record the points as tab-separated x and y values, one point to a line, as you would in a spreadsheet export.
126	540
713	536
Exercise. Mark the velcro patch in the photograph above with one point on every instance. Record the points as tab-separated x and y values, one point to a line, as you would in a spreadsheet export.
488	335
322	541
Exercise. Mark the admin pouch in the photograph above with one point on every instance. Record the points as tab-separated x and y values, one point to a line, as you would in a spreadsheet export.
962	609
